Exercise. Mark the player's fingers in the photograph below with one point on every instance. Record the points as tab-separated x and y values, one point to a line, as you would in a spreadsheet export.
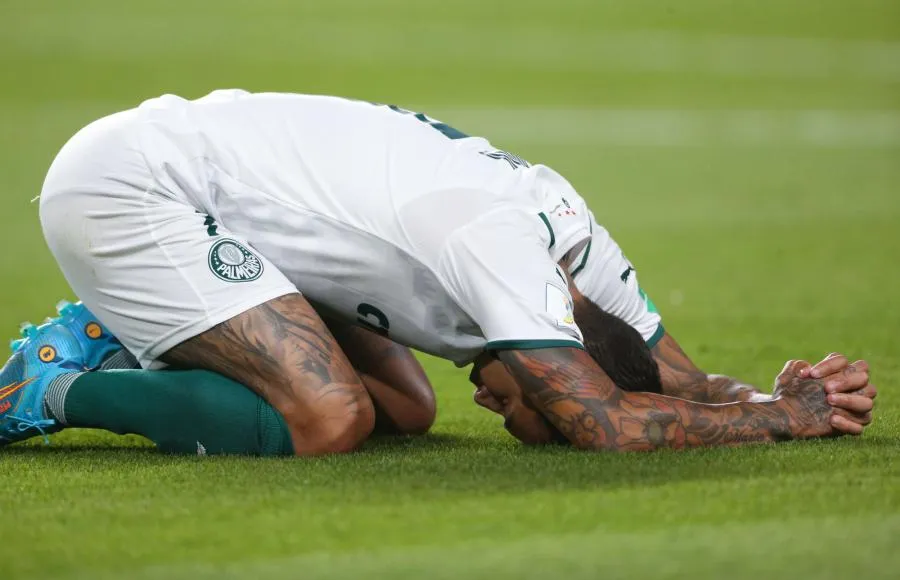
861	365
852	403
846	381
789	366
803	369
869	391
829	356
490	406
794	367
482	397
832	364
846	426
791	370
858	418
488	401
862	419
800	365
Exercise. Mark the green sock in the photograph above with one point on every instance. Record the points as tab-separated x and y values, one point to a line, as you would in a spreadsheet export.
195	412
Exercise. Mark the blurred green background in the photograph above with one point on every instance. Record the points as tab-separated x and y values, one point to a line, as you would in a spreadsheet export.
745	154
706	134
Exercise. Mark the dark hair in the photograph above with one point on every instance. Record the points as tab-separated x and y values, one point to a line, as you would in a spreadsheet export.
618	348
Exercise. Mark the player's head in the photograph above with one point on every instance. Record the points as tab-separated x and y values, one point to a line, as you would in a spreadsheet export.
617	348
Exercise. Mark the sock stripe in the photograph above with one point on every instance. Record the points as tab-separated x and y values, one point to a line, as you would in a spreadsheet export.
121	359
55	397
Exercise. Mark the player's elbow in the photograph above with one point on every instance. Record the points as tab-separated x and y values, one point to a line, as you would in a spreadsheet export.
413	414
419	419
423	410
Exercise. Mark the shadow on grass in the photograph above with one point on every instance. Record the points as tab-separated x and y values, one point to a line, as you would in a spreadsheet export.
437	464
431	442
65	449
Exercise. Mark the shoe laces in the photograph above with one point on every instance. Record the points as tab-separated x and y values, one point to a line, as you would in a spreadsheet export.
25	423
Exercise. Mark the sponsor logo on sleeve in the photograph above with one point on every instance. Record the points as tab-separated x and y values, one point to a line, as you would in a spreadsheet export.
559	306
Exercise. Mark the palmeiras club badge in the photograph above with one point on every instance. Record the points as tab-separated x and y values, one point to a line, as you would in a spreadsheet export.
231	261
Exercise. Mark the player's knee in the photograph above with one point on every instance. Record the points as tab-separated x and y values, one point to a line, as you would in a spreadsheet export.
348	432
341	426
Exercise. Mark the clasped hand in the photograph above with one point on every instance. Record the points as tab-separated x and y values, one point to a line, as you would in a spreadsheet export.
846	387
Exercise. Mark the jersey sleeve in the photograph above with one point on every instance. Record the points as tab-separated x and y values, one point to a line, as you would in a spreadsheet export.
605	276
501	272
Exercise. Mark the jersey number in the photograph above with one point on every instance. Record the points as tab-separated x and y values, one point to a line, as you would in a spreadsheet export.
444	128
373	319
514	160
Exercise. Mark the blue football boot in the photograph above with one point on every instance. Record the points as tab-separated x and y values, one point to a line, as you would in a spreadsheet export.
96	341
49	351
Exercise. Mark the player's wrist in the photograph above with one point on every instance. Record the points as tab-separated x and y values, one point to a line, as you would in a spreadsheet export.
771	419
785	425
755	396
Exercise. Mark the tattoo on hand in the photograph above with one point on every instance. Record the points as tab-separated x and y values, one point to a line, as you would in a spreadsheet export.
808	404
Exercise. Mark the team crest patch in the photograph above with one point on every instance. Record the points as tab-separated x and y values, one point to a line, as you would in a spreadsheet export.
233	262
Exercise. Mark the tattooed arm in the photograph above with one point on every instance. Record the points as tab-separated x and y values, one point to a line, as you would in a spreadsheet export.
577	397
396	382
852	397
682	379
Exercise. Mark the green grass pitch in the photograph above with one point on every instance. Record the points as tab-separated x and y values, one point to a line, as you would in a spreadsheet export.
745	154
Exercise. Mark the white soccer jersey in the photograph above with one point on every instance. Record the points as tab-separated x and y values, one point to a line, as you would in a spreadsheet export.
198	210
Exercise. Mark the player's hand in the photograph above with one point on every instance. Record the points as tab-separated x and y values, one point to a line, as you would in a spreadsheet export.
497	391
804	400
484	398
848	389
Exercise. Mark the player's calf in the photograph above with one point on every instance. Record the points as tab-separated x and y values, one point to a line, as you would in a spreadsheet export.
284	352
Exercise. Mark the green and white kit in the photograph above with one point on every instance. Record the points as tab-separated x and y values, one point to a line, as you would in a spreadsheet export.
177	215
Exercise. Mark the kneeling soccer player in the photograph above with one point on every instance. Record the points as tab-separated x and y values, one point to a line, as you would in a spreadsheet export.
202	232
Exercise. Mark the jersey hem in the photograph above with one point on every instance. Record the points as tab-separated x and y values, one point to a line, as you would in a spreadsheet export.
531	344
201	325
657	336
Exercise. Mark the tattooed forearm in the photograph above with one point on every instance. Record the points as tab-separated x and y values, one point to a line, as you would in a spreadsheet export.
705	388
681	378
403	398
576	396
